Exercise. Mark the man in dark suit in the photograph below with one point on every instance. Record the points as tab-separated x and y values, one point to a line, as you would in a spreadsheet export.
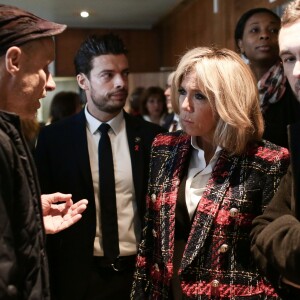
67	157
276	234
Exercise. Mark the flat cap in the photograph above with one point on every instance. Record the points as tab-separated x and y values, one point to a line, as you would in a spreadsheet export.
18	26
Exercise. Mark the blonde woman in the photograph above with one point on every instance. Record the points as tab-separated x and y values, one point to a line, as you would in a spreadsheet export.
206	185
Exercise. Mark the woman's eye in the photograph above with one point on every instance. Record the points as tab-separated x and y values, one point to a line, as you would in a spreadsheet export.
181	92
274	30
255	29
200	96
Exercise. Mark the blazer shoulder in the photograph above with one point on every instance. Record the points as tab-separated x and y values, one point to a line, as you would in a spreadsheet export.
143	125
268	153
62	131
177	138
67	123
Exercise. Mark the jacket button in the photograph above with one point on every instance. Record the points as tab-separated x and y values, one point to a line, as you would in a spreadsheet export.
223	248
12	290
153	198
233	212
215	283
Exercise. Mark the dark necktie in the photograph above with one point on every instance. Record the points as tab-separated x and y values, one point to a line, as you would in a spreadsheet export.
108	207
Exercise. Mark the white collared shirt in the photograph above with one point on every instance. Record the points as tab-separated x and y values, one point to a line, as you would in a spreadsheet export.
129	227
198	176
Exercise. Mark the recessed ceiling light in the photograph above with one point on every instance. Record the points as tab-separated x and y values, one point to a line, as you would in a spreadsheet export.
84	14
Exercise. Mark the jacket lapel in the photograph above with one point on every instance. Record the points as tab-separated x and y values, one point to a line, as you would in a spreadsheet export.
208	206
178	156
137	158
80	147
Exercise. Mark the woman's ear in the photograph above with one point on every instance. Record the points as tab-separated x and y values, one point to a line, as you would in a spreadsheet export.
13	59
82	81
241	47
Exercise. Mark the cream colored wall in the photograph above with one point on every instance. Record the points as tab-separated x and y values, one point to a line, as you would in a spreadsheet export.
62	84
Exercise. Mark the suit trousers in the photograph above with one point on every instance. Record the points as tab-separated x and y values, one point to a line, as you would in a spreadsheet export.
106	284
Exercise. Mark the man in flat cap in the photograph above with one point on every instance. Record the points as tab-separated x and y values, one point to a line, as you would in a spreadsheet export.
26	50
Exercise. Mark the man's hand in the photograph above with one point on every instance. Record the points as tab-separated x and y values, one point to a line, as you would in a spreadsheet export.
60	216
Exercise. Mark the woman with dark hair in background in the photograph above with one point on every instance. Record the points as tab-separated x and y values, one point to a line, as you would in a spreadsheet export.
64	104
135	99
154	105
256	35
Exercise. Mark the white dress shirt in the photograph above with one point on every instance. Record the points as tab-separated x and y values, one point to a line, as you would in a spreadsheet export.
198	176
128	220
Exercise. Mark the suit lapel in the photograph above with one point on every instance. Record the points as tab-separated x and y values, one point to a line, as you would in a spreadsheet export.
79	146
208	206
137	158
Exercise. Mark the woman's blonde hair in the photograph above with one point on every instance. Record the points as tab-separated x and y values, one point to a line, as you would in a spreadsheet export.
232	92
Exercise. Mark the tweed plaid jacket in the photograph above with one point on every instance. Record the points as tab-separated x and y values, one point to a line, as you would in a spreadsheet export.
216	262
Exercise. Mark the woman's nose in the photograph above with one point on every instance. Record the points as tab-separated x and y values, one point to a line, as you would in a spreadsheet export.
186	104
264	35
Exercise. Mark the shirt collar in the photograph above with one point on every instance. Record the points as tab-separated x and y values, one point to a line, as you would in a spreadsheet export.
200	152
93	123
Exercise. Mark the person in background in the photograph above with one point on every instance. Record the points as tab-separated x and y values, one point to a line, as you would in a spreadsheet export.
171	120
256	36
154	105
67	158
168	92
26	50
135	99
64	104
206	184
276	233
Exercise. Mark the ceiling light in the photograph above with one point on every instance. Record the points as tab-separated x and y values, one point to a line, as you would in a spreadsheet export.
216	6
84	14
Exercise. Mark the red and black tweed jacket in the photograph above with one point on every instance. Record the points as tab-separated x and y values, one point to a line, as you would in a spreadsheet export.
238	190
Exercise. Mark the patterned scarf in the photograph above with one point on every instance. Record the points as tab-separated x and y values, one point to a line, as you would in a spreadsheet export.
271	86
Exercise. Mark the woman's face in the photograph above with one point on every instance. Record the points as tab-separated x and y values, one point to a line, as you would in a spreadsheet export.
155	106
196	115
260	38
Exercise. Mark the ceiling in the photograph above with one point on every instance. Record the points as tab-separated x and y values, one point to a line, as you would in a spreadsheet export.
121	14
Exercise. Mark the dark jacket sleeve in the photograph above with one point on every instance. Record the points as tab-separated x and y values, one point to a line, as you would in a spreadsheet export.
8	260
276	237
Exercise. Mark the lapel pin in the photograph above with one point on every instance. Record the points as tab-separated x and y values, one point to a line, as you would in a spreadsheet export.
137	141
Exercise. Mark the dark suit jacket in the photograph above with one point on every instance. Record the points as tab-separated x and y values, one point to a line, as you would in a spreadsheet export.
63	165
276	233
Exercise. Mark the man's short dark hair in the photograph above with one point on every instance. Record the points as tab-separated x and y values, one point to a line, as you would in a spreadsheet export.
95	46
